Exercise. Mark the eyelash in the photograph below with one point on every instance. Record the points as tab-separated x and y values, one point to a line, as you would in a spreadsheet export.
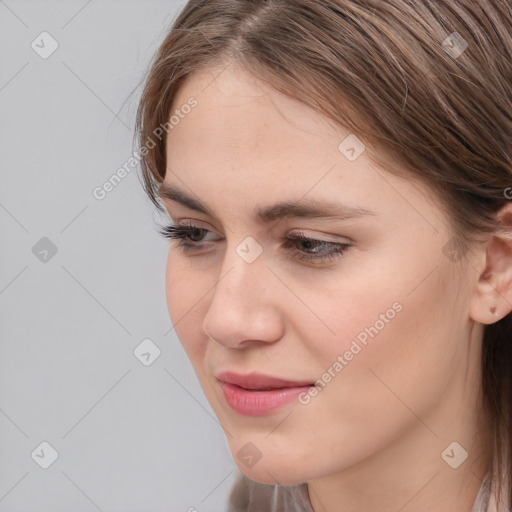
182	232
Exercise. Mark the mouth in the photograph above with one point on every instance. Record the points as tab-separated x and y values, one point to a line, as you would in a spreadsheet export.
256	394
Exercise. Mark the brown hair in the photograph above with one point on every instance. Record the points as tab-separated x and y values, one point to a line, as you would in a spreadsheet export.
430	81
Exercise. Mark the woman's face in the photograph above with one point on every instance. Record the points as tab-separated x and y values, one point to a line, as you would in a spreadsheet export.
374	309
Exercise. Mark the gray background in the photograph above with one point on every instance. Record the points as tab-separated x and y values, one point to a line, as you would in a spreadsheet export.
129	437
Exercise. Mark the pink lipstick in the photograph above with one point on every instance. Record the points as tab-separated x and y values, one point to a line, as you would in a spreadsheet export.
256	394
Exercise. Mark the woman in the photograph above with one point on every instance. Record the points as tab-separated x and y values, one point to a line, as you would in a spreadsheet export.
338	174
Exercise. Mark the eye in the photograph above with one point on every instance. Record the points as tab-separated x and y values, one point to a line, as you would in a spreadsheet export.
299	245
320	250
187	234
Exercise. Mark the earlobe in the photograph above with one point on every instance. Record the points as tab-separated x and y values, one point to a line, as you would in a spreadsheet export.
492	298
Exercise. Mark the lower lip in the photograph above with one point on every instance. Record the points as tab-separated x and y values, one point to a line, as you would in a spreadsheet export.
259	403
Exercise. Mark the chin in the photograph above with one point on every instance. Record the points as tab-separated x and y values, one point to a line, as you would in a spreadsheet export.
272	475
272	468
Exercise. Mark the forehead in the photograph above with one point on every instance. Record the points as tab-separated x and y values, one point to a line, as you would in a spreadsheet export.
236	111
253	145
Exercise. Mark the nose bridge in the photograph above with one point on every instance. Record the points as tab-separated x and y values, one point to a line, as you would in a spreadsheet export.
241	307
244	274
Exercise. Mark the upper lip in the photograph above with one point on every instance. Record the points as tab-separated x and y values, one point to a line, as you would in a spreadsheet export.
259	381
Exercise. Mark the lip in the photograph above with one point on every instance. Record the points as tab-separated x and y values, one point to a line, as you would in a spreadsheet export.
257	394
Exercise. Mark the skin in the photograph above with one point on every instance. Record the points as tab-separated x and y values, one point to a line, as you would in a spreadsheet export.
372	439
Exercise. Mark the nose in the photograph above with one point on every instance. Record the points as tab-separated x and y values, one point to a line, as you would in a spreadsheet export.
244	310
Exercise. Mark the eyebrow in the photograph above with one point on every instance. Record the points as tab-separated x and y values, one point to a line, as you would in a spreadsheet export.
306	208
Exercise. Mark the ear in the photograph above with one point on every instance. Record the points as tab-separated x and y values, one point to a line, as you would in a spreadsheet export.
492	298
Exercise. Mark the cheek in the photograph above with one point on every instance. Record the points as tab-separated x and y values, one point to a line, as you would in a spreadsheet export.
392	351
183	293
175	292
345	316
